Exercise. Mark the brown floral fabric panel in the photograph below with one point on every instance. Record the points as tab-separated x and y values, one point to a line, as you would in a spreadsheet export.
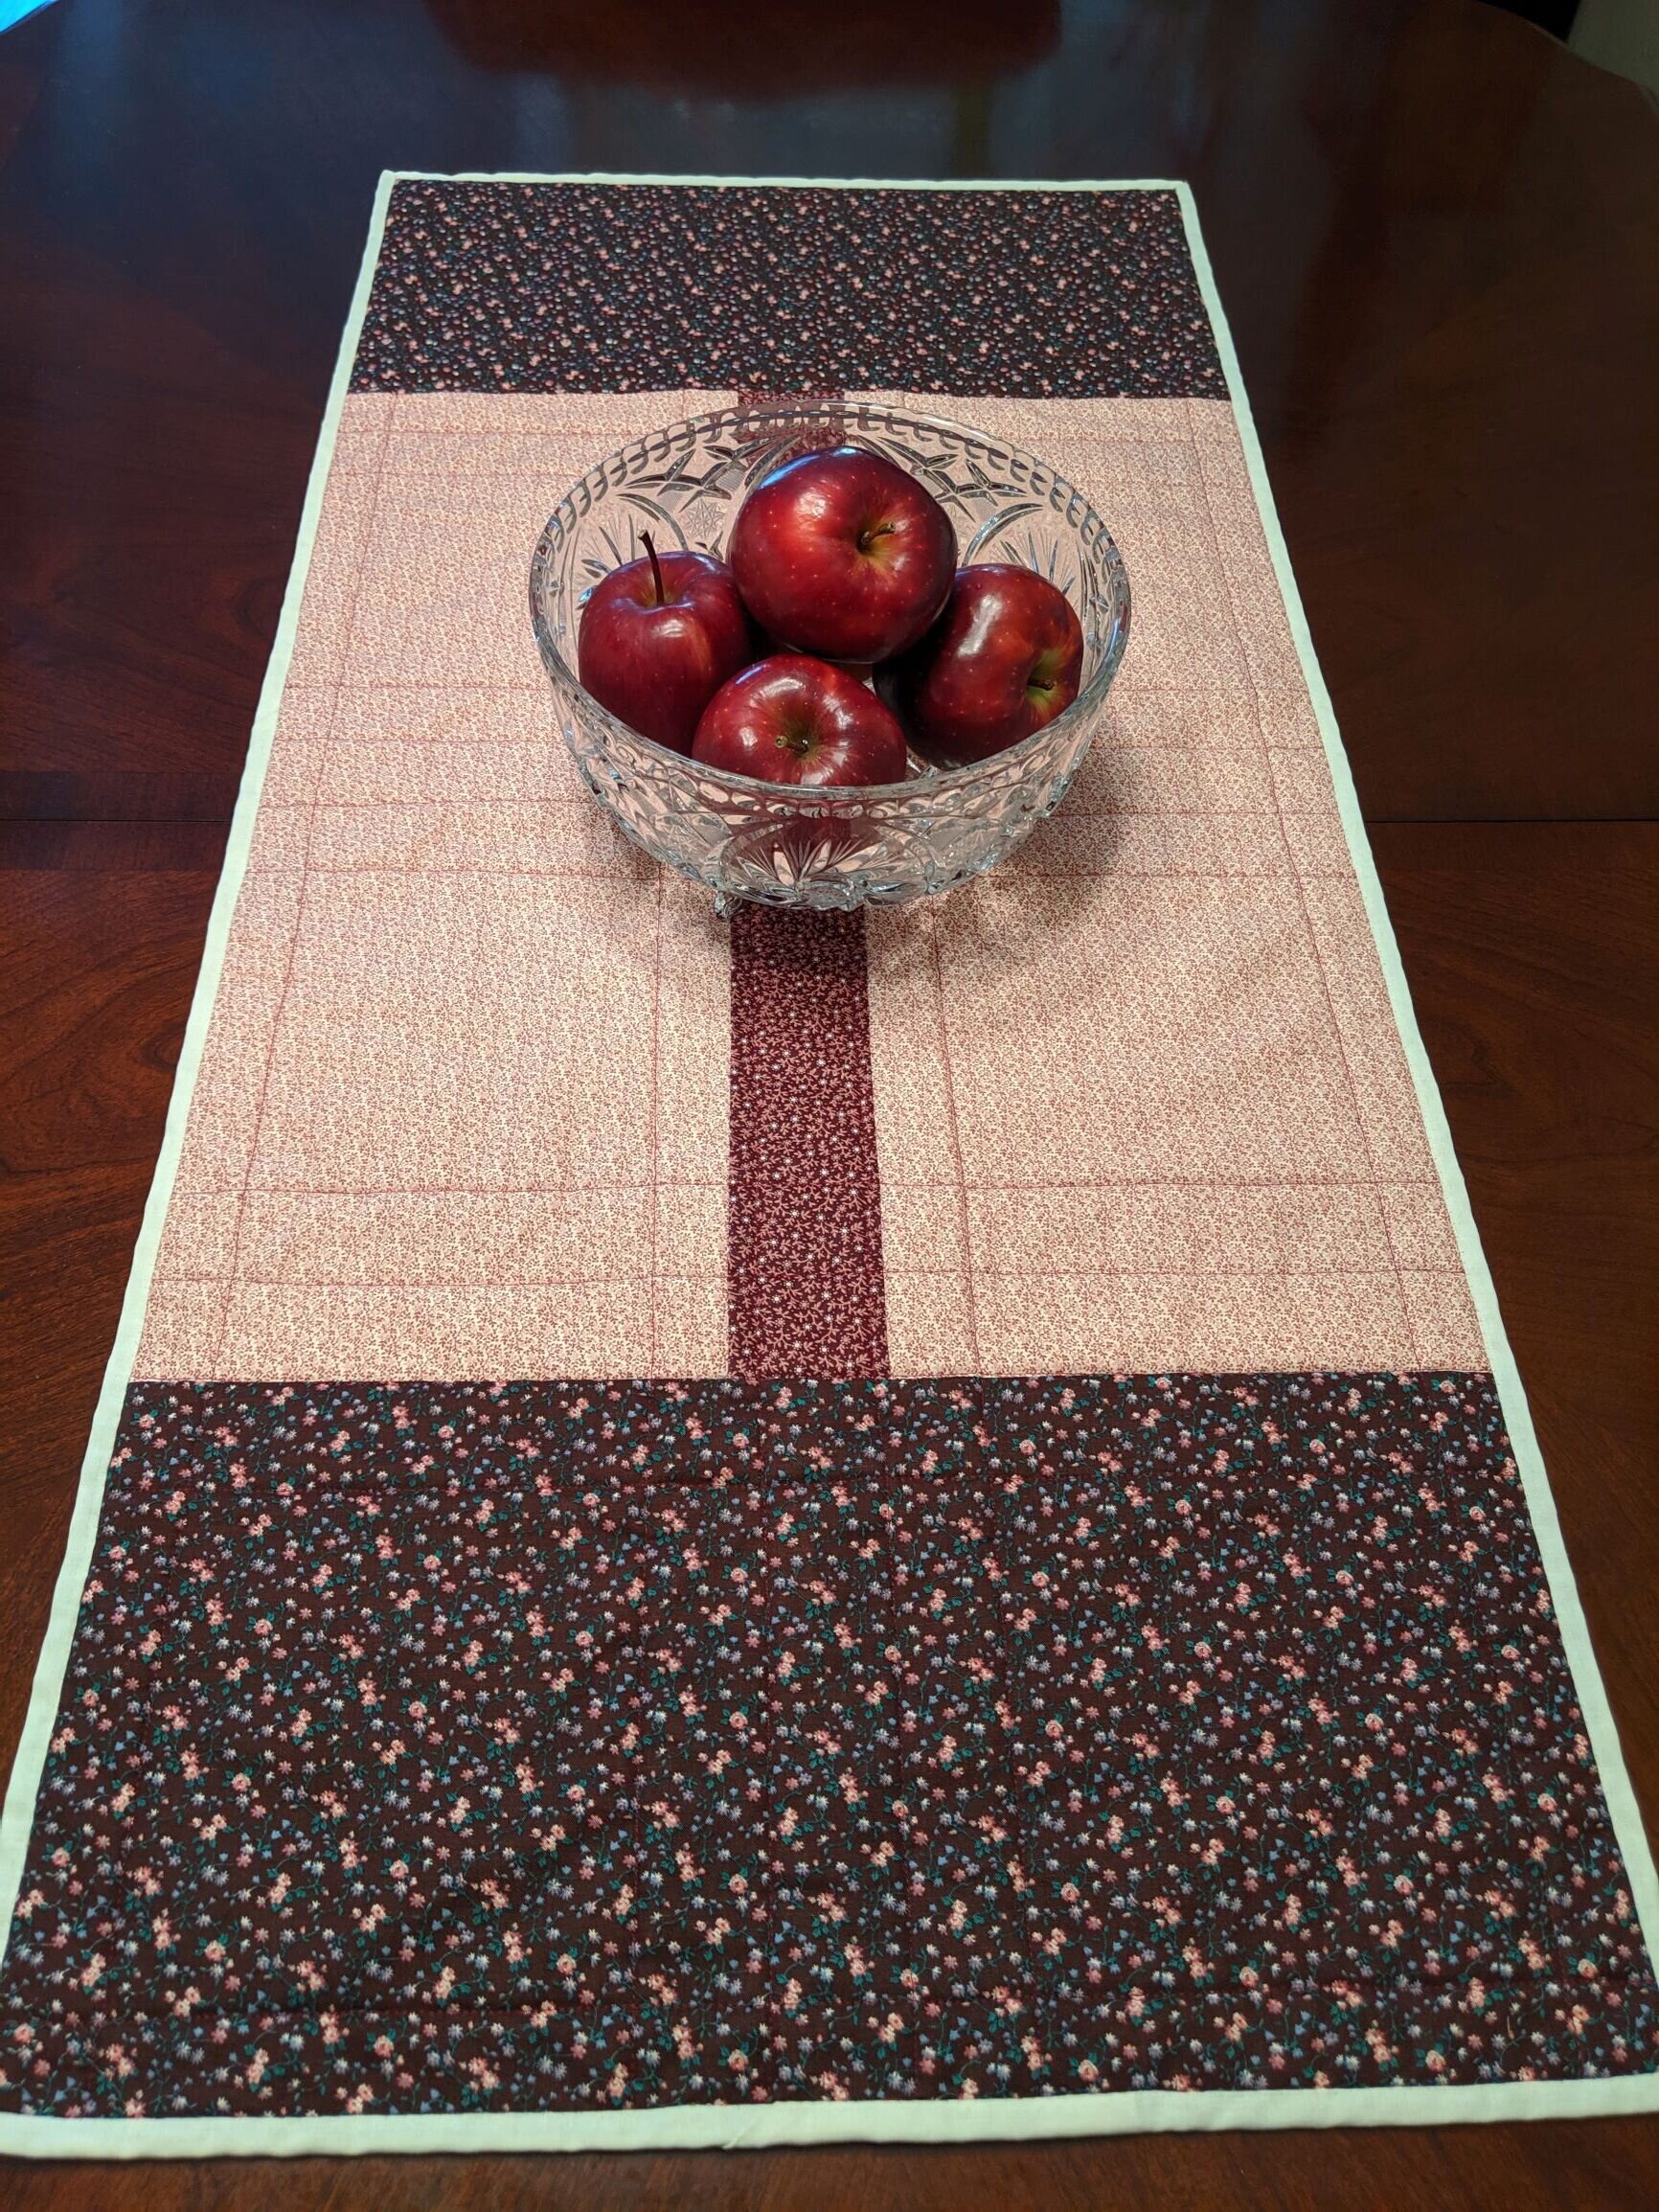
428	1749
630	287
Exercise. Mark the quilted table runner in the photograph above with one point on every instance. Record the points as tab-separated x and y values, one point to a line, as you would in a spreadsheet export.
908	1524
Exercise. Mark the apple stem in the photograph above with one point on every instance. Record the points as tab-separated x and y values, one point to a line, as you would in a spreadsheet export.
656	568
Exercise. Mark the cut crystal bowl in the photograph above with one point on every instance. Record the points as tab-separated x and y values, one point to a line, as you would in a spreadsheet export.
841	846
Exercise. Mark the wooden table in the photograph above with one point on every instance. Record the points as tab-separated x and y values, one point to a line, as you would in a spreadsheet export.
1434	231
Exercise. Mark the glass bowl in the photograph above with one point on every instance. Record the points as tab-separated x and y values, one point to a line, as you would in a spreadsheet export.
839	847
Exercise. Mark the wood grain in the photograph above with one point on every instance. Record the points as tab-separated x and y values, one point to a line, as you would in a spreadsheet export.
1545	2169
96	976
1532	952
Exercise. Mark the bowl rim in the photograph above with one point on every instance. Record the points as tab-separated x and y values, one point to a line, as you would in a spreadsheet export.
832	797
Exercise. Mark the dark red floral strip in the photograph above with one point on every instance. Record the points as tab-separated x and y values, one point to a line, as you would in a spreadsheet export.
432	1748
805	1294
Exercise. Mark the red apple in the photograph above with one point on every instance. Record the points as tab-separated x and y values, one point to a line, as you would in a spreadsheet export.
658	637
842	553
1004	658
795	720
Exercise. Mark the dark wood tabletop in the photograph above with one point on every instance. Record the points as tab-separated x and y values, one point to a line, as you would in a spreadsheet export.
1436	234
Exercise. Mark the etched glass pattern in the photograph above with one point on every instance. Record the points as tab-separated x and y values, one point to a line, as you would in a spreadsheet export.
840	847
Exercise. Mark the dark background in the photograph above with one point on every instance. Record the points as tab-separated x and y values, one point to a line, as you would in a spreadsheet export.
1554	15
1436	235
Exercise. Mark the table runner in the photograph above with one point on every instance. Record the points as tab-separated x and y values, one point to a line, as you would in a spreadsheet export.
916	1524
